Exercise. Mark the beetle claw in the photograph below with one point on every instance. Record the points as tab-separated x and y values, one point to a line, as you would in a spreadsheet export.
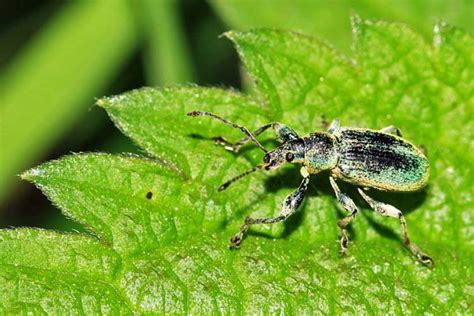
235	241
426	260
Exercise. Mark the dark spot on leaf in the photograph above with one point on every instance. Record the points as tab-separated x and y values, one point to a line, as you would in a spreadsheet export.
149	195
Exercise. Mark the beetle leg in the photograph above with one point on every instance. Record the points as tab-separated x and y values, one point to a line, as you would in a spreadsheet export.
346	202
289	206
283	132
334	127
391	211
235	147
392	130
324	122
226	121
396	131
423	149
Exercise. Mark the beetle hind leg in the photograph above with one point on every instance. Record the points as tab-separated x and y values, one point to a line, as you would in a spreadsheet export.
392	130
290	205
391	211
346	202
335	127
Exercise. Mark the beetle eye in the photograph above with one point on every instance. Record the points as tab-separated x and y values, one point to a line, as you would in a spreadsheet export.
290	157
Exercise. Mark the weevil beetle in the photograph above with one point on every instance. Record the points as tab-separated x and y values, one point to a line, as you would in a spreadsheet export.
366	158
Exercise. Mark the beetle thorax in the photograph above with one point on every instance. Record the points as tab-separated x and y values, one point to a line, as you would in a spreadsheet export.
321	152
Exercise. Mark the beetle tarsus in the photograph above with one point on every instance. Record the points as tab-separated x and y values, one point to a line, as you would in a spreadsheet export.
425	259
236	240
344	242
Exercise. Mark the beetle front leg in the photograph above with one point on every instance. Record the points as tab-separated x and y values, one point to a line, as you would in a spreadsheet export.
391	211
235	147
283	133
289	206
392	130
346	202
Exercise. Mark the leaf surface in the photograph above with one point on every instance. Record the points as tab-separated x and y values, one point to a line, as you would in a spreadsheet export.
160	228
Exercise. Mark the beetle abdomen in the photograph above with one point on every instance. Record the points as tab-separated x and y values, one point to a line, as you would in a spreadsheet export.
380	160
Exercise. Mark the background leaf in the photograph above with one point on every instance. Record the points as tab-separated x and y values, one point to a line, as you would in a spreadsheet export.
172	245
167	58
330	19
39	99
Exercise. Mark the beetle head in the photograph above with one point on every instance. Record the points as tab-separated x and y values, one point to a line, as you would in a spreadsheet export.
292	152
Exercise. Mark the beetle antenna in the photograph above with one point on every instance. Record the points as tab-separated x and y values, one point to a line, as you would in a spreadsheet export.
243	129
240	176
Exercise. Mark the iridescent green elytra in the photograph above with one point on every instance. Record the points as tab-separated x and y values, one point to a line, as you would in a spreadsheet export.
367	158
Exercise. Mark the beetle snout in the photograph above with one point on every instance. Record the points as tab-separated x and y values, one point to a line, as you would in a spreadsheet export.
269	162
266	158
272	160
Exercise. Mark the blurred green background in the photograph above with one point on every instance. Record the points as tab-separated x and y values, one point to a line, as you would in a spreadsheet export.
57	57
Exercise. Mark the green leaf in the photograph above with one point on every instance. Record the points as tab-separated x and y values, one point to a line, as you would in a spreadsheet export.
44	271
330	19
293	71
135	113
116	187
160	229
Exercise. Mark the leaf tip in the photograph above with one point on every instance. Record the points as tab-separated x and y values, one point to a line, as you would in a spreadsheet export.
231	35
355	18
356	23
109	102
222	35
440	31
227	34
31	174
101	102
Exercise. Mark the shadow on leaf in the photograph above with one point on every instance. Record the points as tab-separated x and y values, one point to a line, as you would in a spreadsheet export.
290	178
